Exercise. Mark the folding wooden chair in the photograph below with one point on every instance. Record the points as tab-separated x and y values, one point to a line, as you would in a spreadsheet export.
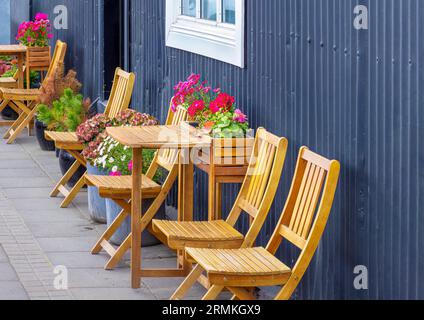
119	190
10	83
255	199
26	100
119	101
248	267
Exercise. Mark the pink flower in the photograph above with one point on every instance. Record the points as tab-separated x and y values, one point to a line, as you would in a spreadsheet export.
194	79
50	36
115	174
130	166
240	116
41	16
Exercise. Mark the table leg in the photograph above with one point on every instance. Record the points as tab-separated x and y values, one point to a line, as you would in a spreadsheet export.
21	70
136	213
185	196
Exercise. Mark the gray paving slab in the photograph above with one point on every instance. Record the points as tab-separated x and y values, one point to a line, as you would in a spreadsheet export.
27	193
62	244
19	182
60	229
39	204
27	173
7	273
3	256
99	278
53	216
112	294
17	164
12	290
79	260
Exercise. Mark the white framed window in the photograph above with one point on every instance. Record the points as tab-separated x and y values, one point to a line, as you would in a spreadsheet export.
211	28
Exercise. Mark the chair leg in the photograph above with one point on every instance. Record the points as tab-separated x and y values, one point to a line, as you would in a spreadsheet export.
110	231
119	254
213	293
13	127
188	283
22	126
242	294
73	193
65	179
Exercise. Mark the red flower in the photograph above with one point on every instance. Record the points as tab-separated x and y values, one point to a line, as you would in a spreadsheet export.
222	102
195	107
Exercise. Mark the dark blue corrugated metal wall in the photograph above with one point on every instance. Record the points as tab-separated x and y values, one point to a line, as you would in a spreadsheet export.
355	96
84	39
350	95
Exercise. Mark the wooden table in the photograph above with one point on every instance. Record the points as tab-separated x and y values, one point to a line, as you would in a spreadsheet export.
183	138
20	53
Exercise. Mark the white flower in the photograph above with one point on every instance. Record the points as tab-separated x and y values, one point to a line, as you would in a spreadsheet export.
111	160
123	158
115	169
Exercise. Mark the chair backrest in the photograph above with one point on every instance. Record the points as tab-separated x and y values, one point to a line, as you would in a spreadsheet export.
303	222
167	158
261	183
120	96
57	59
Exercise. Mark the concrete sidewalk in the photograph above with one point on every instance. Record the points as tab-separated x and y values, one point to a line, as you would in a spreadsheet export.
36	236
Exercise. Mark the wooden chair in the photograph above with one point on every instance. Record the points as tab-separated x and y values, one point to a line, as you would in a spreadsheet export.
248	267
39	60
10	83
255	199
119	101
119	190
26	100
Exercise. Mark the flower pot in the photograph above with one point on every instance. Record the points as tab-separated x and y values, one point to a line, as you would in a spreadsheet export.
96	204
9	114
229	152
38	58
40	129
66	160
147	239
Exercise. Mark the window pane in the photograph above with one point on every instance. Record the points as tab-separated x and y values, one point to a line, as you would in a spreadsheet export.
209	9
229	11
189	8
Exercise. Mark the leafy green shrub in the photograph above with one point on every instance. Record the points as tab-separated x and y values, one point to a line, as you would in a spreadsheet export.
65	114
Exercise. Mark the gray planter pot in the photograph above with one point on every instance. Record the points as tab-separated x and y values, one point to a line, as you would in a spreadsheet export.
96	204
147	239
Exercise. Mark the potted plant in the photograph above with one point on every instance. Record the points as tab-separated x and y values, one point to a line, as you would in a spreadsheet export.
215	113
116	160
92	134
54	90
64	115
35	35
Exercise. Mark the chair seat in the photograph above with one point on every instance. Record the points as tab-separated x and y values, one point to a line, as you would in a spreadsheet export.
121	187
213	234
250	267
64	140
20	94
